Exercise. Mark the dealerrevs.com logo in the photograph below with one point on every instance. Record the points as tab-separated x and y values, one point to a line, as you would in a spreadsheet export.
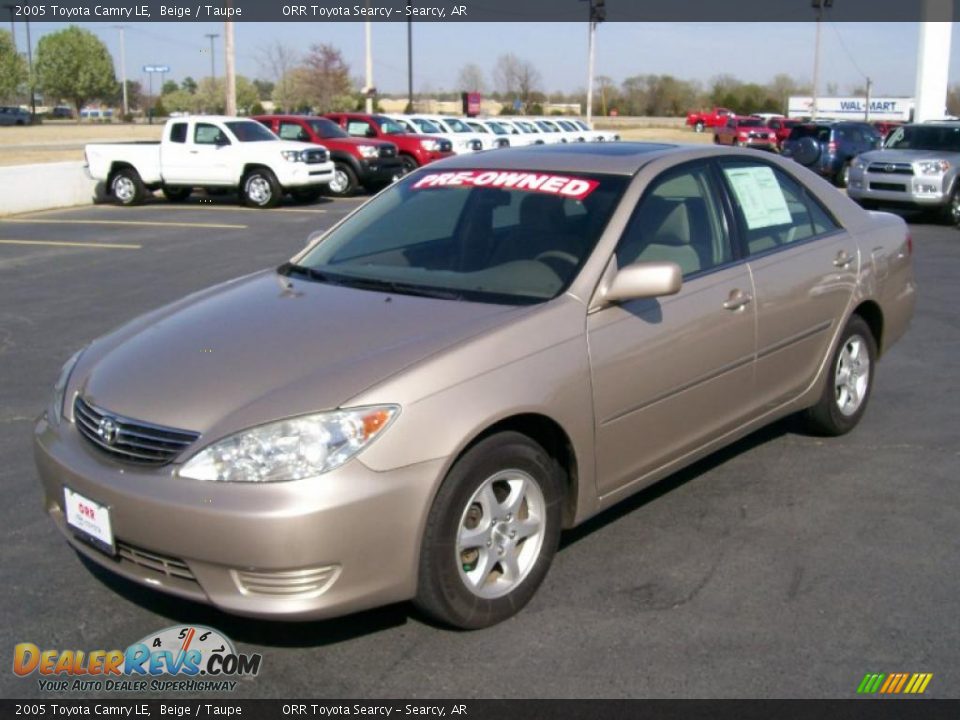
186	658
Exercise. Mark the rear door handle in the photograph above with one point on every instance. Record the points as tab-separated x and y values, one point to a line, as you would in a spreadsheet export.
843	259
737	300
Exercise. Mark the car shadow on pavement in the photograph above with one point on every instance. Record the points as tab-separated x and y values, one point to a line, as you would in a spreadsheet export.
328	632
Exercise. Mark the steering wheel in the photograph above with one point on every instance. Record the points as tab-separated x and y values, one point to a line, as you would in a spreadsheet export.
558	255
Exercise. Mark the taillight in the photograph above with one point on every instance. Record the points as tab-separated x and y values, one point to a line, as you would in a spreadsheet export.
831	147
909	244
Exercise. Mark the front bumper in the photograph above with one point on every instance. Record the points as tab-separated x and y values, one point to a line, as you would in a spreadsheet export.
301	550
923	191
298	174
381	171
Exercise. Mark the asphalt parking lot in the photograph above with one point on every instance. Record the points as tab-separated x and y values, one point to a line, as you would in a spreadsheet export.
784	566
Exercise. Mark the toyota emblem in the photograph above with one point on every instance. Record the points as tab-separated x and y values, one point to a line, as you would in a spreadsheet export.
107	430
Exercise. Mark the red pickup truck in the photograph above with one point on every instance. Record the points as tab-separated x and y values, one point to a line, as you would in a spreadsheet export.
356	162
717	117
415	150
746	132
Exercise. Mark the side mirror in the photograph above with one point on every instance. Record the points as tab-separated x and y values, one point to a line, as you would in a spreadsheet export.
222	141
644	280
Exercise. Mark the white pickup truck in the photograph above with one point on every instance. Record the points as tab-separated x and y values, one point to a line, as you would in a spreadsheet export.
215	153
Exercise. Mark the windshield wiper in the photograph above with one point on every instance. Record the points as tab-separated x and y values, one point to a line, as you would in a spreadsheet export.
289	268
399	287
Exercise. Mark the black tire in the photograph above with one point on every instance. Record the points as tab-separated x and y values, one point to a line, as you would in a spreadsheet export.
344	183
306	196
828	417
177	194
126	187
409	164
949	214
260	189
699	126
842	178
442	587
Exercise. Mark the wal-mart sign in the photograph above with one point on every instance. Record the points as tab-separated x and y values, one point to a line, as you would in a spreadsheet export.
156	68
852	108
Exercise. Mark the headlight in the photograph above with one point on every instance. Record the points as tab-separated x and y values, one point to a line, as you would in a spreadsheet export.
430	145
933	167
293	155
368	151
55	409
290	449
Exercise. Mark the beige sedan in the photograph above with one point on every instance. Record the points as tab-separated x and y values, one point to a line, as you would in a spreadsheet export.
492	350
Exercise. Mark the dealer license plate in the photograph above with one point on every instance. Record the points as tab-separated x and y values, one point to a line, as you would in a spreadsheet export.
88	519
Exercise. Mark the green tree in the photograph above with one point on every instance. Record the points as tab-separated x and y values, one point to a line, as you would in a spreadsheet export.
13	71
74	64
189	85
211	96
169	86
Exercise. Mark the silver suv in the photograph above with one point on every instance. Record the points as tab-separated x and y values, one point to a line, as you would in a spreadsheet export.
917	168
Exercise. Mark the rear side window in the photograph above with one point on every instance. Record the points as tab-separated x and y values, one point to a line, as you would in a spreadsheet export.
292	131
774	209
678	220
178	133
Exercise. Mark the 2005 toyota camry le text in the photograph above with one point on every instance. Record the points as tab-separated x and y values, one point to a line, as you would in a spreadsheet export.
492	350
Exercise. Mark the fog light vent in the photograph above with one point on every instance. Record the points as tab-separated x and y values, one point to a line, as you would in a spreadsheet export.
308	582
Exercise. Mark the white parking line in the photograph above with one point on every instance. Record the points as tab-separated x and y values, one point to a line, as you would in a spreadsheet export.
148	223
59	243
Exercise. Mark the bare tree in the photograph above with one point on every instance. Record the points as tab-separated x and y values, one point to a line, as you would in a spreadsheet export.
324	79
516	78
277	61
471	79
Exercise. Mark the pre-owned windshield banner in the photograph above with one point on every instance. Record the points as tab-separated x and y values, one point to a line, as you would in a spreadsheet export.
572	187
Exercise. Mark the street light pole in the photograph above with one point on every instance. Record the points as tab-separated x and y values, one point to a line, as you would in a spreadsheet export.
213	67
819	6
597	14
409	58
368	89
13	27
231	75
33	99
123	69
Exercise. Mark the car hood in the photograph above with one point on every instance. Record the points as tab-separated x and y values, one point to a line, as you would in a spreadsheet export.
906	156
266	347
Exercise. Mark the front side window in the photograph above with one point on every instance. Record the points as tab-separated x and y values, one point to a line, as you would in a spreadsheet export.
510	237
426	126
250	131
292	131
360	128
207	134
678	220
774	209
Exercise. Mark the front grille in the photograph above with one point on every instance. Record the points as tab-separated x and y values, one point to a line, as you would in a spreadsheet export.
312	157
287	583
445	146
166	565
129	440
388	151
896	187
891	168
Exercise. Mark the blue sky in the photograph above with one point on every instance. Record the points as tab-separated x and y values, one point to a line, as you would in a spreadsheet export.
750	51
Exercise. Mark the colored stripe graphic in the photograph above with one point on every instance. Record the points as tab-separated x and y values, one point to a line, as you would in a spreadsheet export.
894	683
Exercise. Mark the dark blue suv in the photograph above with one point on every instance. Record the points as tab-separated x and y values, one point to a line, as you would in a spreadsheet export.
828	148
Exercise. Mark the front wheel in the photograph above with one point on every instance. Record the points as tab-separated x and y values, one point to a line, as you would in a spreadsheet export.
344	182
849	382
127	188
842	178
491	533
950	213
409	164
699	126
260	189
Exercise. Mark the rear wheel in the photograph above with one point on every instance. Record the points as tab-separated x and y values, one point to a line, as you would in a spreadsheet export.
127	188
344	182
849	382
409	164
491	533
177	194
260	189
699	126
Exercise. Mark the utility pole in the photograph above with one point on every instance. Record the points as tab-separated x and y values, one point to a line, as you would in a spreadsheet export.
409	58
866	113
231	104
597	14
368	88
819	6
123	69
33	98
213	67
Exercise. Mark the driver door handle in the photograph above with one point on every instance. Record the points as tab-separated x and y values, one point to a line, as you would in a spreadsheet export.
843	259
738	299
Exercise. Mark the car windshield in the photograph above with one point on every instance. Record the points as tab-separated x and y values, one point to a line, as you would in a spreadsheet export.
457	125
426	126
527	127
389	127
327	128
506	237
477	127
750	122
569	127
497	128
249	131
581	124
925	137
544	125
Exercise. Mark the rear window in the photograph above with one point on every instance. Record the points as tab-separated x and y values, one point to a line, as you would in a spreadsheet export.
820	132
178	133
